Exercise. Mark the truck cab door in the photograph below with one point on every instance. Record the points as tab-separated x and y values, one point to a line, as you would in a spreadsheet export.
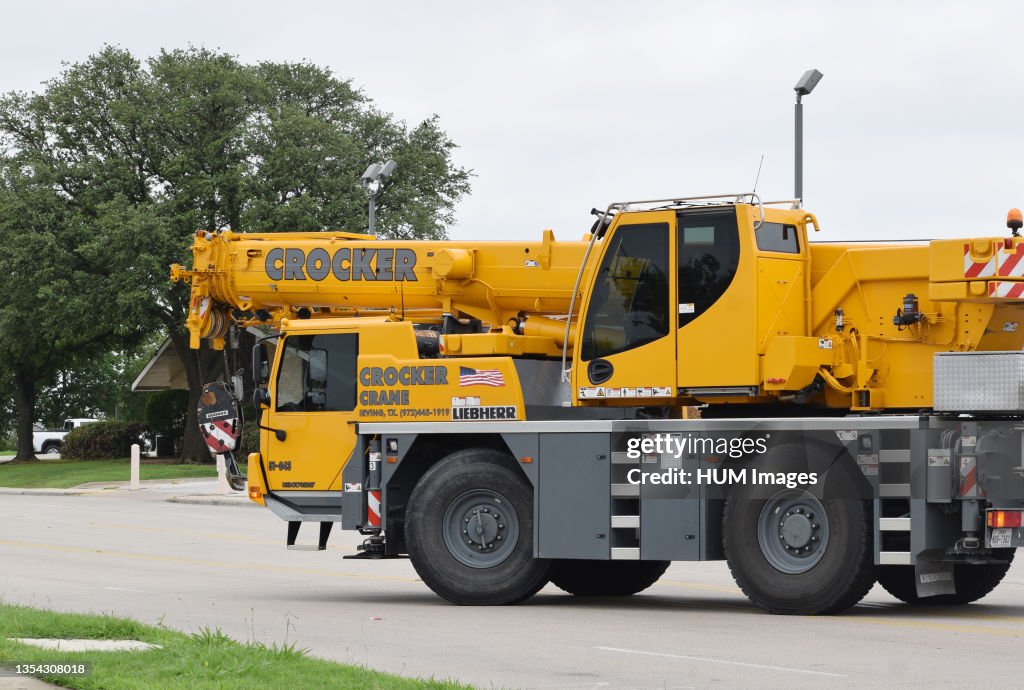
717	300
627	348
313	401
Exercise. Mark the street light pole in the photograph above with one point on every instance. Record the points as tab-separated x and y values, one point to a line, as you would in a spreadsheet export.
372	180
803	87
798	139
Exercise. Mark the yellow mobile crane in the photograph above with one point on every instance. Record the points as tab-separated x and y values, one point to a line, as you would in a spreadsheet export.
509	413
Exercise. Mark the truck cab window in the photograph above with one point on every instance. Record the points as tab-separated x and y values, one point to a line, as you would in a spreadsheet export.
776	237
318	373
629	306
709	252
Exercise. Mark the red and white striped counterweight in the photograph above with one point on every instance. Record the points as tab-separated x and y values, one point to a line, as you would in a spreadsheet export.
220	420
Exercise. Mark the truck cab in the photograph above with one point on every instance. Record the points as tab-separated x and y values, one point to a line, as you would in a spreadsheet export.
699	289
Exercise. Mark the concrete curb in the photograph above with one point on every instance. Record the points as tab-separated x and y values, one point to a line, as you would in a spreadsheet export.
6	490
240	502
10	681
143	483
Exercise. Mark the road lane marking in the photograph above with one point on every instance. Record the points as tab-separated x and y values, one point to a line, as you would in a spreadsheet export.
932	625
699	585
222	536
247	566
127	589
723	661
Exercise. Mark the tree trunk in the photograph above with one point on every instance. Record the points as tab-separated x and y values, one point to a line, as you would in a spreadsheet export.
201	366
25	404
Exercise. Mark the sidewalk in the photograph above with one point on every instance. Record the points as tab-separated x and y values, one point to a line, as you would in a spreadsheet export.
7	457
193	491
10	681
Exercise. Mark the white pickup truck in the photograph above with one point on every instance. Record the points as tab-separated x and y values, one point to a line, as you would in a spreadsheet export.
49	441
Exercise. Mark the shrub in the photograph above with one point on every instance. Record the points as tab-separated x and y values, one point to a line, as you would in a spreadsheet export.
102	440
250	440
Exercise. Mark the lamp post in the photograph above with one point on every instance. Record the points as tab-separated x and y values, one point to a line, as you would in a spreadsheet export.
372	180
803	87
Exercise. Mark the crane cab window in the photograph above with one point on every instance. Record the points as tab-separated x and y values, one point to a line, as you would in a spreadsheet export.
776	237
630	303
318	373
709	252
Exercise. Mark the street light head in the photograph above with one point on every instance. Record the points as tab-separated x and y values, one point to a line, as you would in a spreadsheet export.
372	173
388	168
807	82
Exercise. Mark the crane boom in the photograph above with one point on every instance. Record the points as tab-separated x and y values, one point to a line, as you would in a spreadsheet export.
344	274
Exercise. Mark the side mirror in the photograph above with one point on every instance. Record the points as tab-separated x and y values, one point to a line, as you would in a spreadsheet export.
261	398
601	225
260	366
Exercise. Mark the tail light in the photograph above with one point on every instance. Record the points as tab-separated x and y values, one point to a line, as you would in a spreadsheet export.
1004	518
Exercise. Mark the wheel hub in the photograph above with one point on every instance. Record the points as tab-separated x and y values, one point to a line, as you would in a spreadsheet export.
796	529
792	531
480	528
483	528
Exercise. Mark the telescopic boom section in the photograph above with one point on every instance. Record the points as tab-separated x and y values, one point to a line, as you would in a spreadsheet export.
504	285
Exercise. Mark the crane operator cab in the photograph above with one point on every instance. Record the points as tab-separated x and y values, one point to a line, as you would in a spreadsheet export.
685	298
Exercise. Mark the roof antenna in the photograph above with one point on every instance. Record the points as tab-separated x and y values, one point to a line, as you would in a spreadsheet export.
758	176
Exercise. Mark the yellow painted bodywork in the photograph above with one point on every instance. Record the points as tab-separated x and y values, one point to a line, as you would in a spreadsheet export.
773	336
318	444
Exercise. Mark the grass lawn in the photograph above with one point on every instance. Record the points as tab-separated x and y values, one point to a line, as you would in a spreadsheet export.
62	474
207	659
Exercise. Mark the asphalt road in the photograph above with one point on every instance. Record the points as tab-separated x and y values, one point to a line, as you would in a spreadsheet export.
191	567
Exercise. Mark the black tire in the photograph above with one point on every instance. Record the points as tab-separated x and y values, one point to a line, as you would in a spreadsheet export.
605	578
836	570
51	448
482	485
973	582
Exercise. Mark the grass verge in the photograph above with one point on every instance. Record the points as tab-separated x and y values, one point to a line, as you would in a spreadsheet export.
63	474
206	660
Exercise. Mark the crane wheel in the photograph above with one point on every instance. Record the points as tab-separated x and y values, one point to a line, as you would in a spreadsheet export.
973	582
469	530
794	552
605	578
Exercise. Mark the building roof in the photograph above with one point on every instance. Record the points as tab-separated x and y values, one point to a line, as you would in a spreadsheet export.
163	372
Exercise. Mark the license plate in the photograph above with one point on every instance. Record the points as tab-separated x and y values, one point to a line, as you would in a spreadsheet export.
1001	538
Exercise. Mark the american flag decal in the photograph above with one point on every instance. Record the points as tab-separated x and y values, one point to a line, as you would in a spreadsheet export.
480	377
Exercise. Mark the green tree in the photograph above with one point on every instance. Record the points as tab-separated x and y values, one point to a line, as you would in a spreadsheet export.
97	386
195	139
7	413
51	272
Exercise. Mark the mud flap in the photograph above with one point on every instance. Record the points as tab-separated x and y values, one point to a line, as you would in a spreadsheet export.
934	578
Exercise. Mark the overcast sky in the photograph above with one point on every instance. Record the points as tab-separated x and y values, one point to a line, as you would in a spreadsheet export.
916	129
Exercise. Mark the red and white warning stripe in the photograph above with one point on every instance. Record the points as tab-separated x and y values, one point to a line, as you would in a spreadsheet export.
1007	289
220	435
373	508
1011	261
969	477
978	269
